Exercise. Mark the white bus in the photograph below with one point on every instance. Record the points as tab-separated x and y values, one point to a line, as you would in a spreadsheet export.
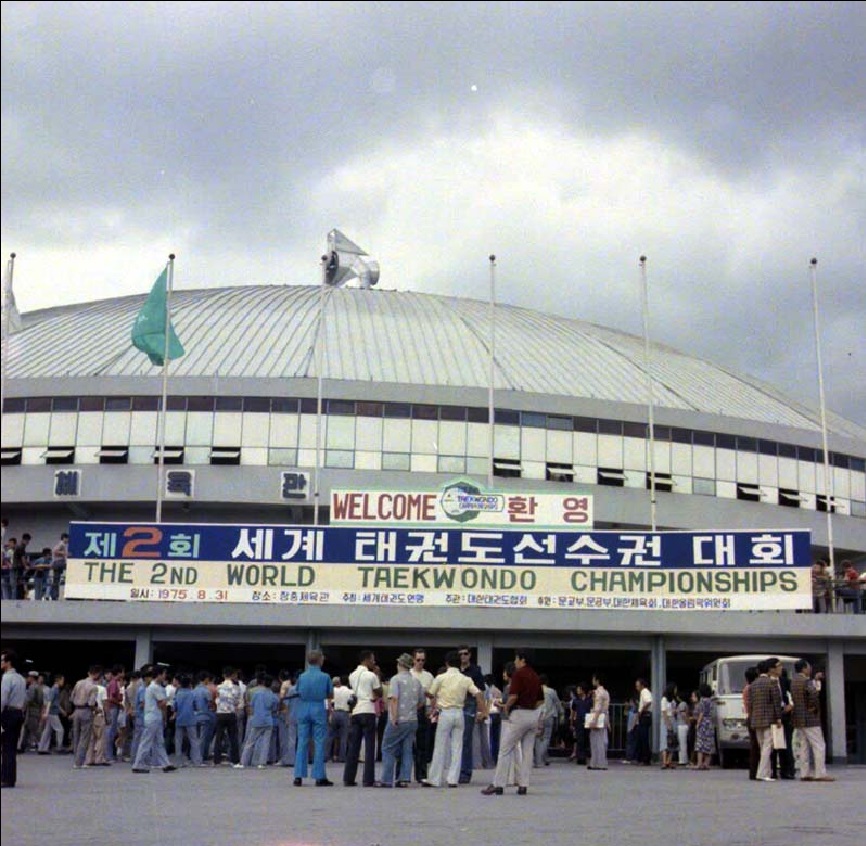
726	678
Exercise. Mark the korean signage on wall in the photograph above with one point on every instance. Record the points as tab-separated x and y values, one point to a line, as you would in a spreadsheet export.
460	504
466	567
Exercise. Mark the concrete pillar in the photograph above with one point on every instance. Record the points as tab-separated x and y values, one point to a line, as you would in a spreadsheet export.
484	655
835	681
313	642
658	670
143	648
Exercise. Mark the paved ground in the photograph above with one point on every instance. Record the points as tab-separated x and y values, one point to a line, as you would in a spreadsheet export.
566	804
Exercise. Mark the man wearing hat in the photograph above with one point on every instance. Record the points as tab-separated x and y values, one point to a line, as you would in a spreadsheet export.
405	698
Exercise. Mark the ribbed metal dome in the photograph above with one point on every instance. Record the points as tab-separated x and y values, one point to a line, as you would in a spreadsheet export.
266	331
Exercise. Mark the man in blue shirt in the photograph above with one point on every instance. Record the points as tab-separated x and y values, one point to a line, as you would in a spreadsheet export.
205	714
151	747
185	722
262	706
315	688
12	694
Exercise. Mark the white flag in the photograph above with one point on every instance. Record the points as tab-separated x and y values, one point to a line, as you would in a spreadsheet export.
347	261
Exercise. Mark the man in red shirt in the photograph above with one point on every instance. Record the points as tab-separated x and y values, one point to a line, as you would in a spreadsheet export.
521	714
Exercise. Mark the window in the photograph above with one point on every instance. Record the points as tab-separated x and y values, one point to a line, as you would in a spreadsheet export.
340	458
806	453
451	464
703	487
610	427
283	457
506	417
343	407
479	415
10	456
59	455
663	482
533	420
789	498
585	424
749	493
636	430
507	468
369	409
284	405
559	424
726	442
858	464
64	404
559	472
821	504
259	404
768	448
38	404
747	444
452	412
611	477
113	455
681	436
229	403
703	439
200	403
176	404
14	405
146	403
787	451
225	455
171	455
395	461
118	403
425	412
398	410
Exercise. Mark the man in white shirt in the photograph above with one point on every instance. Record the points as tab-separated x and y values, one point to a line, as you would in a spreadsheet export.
367	688
644	722
424	734
339	728
449	691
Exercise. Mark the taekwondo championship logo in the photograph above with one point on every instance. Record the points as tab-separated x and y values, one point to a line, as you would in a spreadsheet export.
462	502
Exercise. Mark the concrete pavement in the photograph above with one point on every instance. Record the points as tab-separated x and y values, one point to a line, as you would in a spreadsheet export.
624	805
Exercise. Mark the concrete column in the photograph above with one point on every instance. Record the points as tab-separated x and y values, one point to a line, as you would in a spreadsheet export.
658	669
313	642
484	655
835	681
143	648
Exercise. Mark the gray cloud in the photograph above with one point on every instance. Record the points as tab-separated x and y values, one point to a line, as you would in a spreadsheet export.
725	141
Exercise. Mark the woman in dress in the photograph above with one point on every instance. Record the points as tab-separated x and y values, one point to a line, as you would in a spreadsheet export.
669	745
598	721
705	732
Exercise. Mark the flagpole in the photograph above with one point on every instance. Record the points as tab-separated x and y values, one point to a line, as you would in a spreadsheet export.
492	344
160	464
319	390
828	478
646	353
7	309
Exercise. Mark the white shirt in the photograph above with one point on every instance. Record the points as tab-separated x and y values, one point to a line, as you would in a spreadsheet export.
426	679
341	697
645	703
364	682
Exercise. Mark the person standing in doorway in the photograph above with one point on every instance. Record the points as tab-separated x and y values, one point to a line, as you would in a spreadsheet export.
644	722
599	723
12	695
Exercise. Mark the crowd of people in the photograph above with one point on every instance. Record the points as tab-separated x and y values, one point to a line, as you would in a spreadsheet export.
24	574
431	729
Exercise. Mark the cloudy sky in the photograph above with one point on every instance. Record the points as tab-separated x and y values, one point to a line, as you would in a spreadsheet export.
725	141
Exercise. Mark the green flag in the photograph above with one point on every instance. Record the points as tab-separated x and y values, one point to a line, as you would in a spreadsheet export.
148	331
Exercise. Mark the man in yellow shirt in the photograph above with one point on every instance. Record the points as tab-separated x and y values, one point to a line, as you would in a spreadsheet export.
449	692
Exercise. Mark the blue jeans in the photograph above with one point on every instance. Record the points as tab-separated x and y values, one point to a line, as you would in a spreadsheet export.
312	721
397	748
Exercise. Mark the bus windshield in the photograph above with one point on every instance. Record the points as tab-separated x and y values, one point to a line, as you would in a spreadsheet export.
732	678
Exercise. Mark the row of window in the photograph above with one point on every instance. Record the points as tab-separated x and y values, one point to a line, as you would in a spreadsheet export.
458	465
410	411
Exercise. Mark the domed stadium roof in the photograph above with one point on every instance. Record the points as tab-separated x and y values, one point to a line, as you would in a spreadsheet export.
378	336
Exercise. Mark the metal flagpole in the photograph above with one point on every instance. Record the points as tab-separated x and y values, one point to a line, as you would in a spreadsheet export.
492	345
160	464
319	390
646	356
7	309
828	477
